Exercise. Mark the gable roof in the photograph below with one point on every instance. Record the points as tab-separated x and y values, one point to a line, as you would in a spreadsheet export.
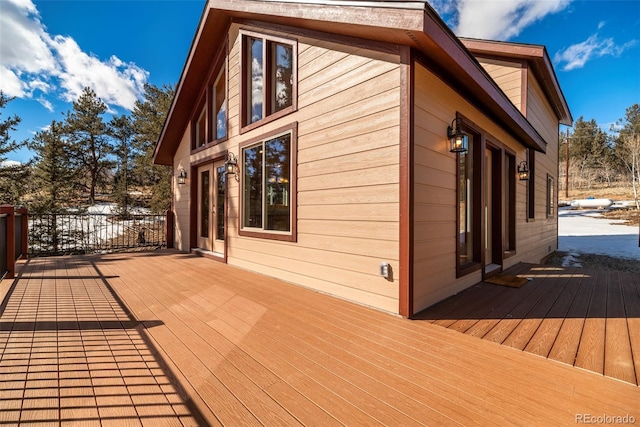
409	23
537	58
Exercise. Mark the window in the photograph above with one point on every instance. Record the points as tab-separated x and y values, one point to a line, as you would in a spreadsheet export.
204	204
220	105
550	197
268	187
210	125
509	224
200	137
469	206
221	172
269	75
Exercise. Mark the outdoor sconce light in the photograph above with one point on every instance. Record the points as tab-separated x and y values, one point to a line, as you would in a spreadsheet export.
182	176
458	139
523	171
231	166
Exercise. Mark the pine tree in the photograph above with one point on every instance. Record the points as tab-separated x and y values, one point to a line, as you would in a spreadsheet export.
121	129
590	150
148	119
88	140
52	178
13	178
6	144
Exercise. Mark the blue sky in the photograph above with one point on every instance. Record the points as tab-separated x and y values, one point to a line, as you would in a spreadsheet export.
51	49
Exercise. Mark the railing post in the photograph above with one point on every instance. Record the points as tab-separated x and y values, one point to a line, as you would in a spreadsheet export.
24	233
168	225
11	239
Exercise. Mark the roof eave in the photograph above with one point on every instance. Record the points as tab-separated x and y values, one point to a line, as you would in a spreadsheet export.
538	57
418	27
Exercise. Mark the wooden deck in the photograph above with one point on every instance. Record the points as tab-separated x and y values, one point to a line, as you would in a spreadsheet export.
174	339
588	319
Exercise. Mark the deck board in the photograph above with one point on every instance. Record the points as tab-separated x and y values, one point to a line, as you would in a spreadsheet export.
618	356
592	342
170	338
588	319
546	335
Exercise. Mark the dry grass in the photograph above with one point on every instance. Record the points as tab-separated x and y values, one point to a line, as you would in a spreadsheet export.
619	193
630	216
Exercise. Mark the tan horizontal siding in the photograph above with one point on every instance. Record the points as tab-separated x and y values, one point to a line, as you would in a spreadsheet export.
356	178
364	297
378	230
181	198
508	76
347	175
372	194
362	160
435	210
539	111
307	251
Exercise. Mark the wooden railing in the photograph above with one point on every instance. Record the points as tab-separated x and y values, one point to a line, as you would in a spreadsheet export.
13	238
82	233
23	234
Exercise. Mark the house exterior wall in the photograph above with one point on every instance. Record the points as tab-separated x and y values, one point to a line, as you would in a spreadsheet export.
541	233
435	209
347	172
508	76
181	193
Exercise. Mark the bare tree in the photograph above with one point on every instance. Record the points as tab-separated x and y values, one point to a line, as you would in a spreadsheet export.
627	147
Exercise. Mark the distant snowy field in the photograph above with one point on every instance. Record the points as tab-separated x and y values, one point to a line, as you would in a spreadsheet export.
581	231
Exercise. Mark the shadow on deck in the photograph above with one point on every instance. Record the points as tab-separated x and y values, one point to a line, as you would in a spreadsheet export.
585	318
172	338
72	352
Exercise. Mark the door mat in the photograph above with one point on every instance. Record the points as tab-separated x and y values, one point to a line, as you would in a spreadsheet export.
504	280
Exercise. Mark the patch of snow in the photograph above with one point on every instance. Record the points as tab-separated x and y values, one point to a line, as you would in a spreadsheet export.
571	260
581	231
105	208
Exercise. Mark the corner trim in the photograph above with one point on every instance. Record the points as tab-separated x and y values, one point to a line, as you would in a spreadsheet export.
407	90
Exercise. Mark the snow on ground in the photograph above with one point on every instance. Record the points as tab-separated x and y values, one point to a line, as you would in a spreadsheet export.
581	231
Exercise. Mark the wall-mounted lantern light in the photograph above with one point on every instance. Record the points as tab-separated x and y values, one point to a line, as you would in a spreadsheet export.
458	139
523	171
231	166
182	176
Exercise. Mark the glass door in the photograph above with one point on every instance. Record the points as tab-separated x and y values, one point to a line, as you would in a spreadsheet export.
211	207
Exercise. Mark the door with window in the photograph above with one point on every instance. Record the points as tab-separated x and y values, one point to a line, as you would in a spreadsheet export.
493	220
211	207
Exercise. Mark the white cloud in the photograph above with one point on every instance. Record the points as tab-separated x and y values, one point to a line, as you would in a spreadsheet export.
46	104
23	49
443	7
9	164
114	81
36	64
499	19
577	55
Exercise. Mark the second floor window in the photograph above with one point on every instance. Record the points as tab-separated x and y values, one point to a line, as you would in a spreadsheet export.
269	75
201	125
220	105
